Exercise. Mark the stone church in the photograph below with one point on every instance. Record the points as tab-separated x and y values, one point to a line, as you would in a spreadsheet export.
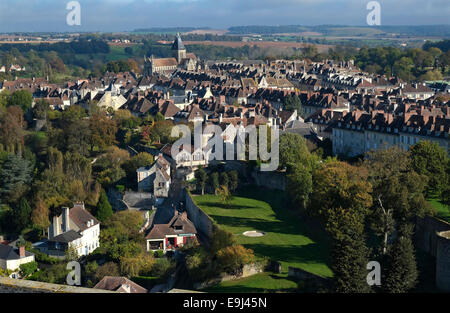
180	60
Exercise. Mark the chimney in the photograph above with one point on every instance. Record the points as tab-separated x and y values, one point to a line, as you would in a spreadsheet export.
65	221
55	226
22	252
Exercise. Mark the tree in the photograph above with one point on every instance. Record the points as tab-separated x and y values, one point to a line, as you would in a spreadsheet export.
22	215
299	185
78	137
107	269
402	274
350	258
103	131
340	185
201	178
214	182
104	208
142	159
292	103
233	258
4	98
22	99
220	239
40	215
234	180
224	179
399	186
40	109
383	223
293	149
15	177
12	126
28	268
224	193
430	159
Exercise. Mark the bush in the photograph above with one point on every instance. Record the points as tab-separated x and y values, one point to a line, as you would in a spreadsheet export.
28	269
159	254
233	258
162	268
44	258
107	269
120	188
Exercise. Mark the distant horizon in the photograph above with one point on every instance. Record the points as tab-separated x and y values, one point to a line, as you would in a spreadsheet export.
45	16
215	28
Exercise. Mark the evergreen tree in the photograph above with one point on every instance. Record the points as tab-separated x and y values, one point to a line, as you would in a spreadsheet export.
402	274
104	209
214	182
22	215
224	179
234	180
350	259
201	177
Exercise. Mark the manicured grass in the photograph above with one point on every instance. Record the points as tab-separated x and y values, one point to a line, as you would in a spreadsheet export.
443	210
288	239
263	282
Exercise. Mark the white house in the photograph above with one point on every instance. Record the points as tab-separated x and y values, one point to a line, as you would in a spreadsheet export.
76	229
11	258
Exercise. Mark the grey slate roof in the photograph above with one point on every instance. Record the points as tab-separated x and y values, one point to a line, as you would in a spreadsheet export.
9	253
67	237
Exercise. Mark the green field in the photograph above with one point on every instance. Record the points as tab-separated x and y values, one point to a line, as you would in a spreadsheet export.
443	210
287	240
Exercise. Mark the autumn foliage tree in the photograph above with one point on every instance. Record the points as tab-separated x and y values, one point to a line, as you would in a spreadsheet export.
40	215
103	131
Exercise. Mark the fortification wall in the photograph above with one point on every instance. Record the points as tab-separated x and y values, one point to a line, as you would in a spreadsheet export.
426	233
202	222
271	180
433	236
443	261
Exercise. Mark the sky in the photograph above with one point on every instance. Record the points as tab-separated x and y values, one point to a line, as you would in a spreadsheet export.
127	15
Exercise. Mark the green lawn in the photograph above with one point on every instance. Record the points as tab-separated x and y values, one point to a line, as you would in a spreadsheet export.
287	238
443	210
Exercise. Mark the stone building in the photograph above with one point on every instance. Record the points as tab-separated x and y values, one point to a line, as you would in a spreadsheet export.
180	59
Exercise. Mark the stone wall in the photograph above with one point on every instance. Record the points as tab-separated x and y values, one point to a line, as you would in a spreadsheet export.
433	236
271	180
9	285
426	233
299	274
202	222
443	261
247	271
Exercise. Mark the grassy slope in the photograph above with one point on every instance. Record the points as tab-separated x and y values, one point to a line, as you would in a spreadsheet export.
287	238
443	211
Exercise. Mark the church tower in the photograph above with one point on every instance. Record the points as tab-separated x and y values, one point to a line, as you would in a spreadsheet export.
178	49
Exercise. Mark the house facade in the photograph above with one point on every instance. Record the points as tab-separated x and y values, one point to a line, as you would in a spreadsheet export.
156	178
11	258
173	235
75	229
